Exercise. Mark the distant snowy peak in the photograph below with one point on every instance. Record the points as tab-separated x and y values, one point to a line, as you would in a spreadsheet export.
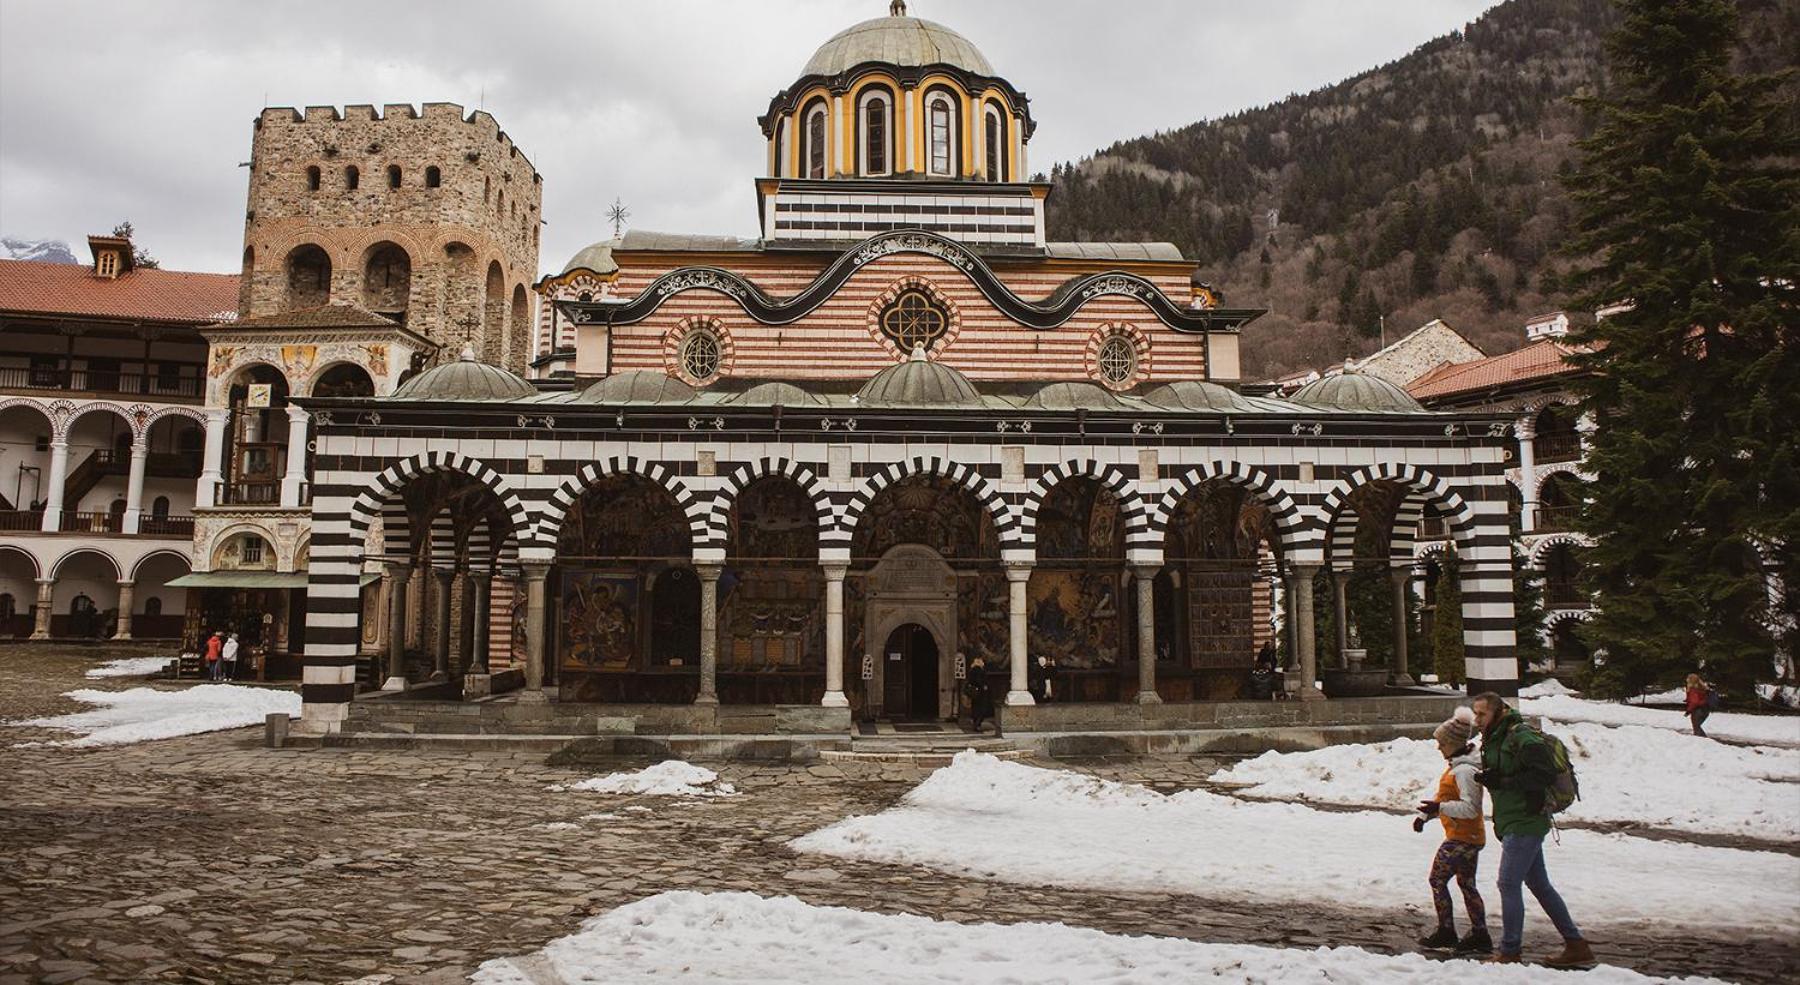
41	250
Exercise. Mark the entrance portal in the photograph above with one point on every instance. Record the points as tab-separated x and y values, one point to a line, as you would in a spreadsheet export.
910	660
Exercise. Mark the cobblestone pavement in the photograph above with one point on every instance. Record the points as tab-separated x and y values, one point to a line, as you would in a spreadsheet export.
211	859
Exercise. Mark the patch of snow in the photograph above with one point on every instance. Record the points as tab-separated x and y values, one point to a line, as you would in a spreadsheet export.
1789	695
1761	729
1644	776
740	938
144	713
558	826
984	818
129	667
1545	688
671	778
602	816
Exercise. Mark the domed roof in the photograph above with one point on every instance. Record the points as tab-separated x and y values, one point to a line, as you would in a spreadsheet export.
918	382
1198	396
465	379
642	386
1351	390
777	394
907	42
596	257
1073	396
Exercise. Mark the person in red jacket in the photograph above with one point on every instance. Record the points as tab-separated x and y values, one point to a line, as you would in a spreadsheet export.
1699	702
214	644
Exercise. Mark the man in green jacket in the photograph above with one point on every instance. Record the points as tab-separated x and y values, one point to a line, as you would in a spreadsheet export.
1516	768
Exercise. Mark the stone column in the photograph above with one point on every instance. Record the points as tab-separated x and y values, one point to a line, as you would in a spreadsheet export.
295	476
212	462
1340	586
134	486
1526	430
440	666
534	631
709	633
40	627
1300	590
397	577
1018	576
1402	624
484	594
1146	633
834	636
53	498
126	604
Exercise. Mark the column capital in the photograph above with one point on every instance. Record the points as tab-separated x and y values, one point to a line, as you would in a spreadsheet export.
1303	569
295	412
1018	570
835	570
1525	428
534	571
140	446
708	571
59	442
1146	570
1401	573
218	414
127	583
46	583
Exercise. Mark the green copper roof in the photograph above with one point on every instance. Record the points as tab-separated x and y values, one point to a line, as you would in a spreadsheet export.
637	387
1198	396
1358	392
919	382
908	42
465	379
1074	396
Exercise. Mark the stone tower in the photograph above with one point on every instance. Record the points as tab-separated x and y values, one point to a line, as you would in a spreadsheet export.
425	216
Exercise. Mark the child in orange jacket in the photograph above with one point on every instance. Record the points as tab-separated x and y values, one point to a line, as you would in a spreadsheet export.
1458	805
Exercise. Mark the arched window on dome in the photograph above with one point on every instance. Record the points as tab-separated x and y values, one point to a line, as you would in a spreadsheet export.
875	118
994	142
816	140
940	134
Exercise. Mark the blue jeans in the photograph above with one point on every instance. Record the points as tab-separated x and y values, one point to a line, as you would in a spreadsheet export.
1522	863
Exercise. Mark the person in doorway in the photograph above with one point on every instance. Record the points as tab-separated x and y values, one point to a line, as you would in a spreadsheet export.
1458	805
1034	678
1699	702
1516	768
981	703
215	644
228	655
1049	675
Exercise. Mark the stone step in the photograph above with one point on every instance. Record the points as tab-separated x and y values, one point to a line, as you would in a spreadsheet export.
930	758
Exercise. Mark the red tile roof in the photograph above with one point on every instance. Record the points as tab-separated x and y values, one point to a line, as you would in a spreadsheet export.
1539	360
31	287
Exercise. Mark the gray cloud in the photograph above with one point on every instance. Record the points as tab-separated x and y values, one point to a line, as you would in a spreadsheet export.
110	110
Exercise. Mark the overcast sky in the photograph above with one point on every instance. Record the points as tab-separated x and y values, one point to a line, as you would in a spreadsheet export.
143	110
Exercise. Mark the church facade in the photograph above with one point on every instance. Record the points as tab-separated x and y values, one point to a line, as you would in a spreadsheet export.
898	433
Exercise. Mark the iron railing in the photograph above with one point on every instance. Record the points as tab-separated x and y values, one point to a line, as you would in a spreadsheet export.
135	383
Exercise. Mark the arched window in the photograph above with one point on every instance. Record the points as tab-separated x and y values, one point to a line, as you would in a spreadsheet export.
312	178
875	131
815	141
393	176
159	507
433	177
941	119
700	354
914	319
784	138
153	606
1117	361
352	178
995	144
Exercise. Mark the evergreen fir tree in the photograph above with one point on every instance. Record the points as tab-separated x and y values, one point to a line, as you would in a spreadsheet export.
1447	628
1687	210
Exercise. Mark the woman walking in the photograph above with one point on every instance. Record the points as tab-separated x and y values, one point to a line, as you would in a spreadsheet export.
1699	702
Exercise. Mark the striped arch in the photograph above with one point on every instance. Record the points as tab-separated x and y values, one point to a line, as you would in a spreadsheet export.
1426	550
1290	525
1131	506
386	487
556	508
1428	488
1006	525
1555	618
1407	518
1340	538
1535	559
718	521
194	414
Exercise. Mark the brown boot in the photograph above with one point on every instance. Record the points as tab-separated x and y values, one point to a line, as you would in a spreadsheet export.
1501	957
1575	954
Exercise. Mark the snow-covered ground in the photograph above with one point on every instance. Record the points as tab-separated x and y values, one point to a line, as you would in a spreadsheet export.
143	713
984	818
742	938
1768	729
129	667
671	778
1646	776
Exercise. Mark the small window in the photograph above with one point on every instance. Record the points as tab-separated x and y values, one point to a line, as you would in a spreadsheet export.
700	354
393	176
253	549
913	320
159	508
487	189
433	177
996	149
1117	360
107	264
312	179
153	606
352	178
941	138
875	137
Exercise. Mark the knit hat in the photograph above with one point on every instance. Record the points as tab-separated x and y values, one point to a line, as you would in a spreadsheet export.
1456	729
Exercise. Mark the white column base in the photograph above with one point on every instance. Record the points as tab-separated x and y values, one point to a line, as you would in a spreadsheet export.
1403	680
537	697
1020	698
1148	698
835	699
394	684
1307	693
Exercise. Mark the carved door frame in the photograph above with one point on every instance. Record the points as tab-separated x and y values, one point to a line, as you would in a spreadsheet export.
911	584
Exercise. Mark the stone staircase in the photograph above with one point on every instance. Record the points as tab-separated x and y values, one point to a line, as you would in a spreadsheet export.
927	749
